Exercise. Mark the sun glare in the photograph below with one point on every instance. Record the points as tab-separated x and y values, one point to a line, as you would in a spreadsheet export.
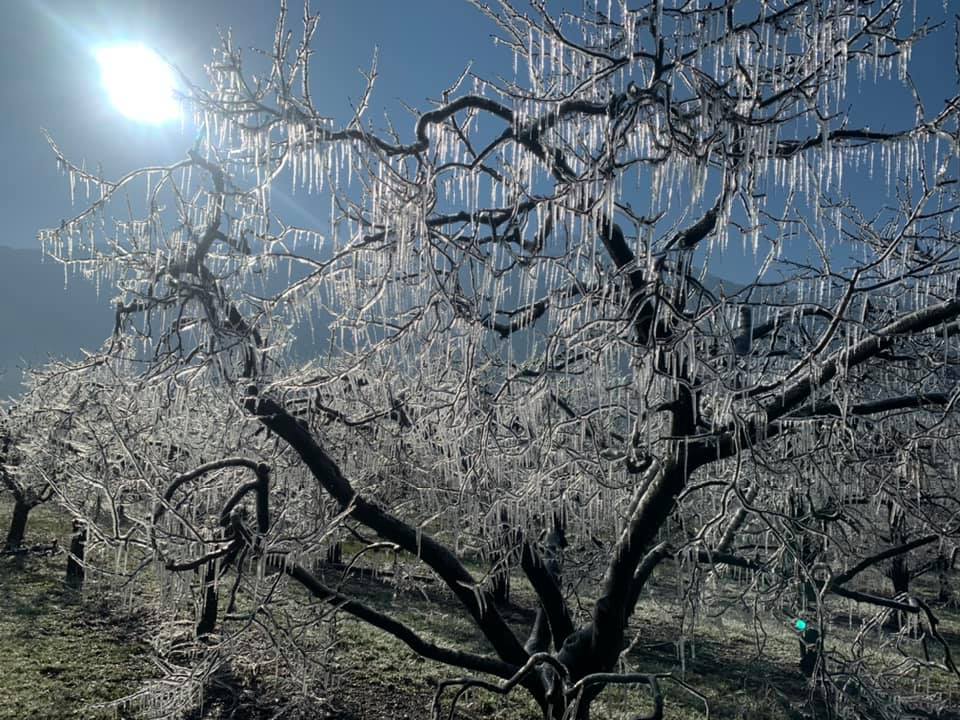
140	84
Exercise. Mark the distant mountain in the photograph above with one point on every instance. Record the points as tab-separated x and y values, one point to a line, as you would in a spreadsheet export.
40	319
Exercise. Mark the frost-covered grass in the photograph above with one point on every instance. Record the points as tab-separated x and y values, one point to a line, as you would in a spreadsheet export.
724	668
745	668
59	656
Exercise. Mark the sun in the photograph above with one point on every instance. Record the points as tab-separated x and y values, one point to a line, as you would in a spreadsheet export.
140	84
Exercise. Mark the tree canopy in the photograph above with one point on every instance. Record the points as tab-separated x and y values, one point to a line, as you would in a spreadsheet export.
520	352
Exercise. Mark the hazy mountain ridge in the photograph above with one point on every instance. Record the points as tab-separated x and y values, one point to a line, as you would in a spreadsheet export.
40	319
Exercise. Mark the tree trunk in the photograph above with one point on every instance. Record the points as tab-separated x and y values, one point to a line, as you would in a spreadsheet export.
501	556
899	575
943	567
208	615
18	524
809	640
335	553
75	558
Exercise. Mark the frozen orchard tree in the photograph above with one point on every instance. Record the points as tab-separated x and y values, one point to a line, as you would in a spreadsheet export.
163	502
521	333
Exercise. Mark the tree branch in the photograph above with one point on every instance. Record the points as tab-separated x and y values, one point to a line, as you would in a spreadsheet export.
845	577
202	470
478	602
415	642
548	592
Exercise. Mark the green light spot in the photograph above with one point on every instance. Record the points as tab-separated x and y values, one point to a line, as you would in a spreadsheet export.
800	624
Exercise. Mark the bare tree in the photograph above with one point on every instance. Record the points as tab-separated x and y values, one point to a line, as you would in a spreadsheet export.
28	491
522	324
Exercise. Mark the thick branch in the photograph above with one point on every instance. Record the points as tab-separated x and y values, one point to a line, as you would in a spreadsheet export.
421	646
645	570
733	438
548	592
910	324
875	600
476	600
619	589
723	558
204	559
880	557
694	234
197	472
904	402
789	148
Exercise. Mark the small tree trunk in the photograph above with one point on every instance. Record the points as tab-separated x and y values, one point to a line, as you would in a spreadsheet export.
75	558
208	615
809	640
899	575
943	593
18	524
500	557
335	553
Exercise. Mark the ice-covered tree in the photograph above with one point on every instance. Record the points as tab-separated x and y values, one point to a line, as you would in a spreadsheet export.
27	492
519	331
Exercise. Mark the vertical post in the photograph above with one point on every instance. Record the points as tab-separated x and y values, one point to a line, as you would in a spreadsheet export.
78	544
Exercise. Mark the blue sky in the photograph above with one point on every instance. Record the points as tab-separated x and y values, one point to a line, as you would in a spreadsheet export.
50	79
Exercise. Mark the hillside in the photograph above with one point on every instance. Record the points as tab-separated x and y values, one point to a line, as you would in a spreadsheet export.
42	319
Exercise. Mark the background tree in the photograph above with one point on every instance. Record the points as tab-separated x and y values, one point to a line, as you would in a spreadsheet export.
25	495
161	502
27	488
522	324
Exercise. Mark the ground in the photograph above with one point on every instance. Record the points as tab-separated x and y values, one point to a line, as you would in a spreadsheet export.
61	656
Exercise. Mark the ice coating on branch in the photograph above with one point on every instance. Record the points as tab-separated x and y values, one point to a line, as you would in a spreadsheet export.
515	299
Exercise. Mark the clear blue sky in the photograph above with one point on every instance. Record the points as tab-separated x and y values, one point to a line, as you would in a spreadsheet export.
50	78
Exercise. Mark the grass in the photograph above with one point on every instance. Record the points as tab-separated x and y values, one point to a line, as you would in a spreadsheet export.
726	669
60	656
744	669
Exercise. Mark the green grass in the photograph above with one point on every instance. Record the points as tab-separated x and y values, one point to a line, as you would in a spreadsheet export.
58	655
